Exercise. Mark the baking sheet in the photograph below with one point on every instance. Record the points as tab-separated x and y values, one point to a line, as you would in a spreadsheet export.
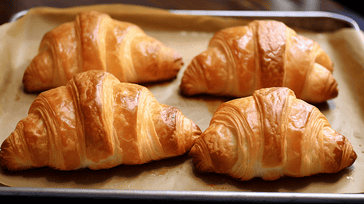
190	36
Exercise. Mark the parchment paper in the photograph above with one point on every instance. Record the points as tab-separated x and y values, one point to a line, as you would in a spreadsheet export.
189	35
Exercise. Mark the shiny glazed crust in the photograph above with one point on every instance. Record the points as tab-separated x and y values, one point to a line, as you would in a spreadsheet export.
94	41
269	135
96	122
262	54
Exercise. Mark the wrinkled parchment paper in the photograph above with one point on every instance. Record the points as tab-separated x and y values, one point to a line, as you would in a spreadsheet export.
189	35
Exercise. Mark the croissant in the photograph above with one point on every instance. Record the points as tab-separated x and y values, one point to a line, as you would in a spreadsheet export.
262	54
269	135
96	122
94	41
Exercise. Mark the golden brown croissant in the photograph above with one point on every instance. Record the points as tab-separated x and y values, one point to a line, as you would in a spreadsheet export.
262	54
96	122
269	135
94	41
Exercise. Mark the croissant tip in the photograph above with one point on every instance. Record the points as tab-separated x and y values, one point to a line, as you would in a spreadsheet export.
200	158
187	88
196	132
27	80
32	82
12	154
191	82
334	92
195	153
177	58
352	158
3	165
349	160
6	161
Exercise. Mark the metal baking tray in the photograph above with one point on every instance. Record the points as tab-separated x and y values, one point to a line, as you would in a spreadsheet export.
312	20
318	21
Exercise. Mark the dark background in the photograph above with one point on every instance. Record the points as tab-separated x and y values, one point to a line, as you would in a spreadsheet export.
348	8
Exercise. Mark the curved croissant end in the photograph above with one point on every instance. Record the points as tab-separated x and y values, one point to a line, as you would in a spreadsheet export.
56	61
39	74
320	85
95	41
344	155
201	156
193	80
269	135
14	153
96	122
262	54
152	57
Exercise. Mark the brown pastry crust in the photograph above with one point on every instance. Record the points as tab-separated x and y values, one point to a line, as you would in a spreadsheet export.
269	135
95	41
96	122
262	54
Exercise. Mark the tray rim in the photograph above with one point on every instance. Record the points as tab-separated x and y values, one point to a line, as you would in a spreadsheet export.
226	196
202	195
275	14
253	14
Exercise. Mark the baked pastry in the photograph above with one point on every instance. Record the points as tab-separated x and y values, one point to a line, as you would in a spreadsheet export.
94	41
96	122
269	135
262	54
